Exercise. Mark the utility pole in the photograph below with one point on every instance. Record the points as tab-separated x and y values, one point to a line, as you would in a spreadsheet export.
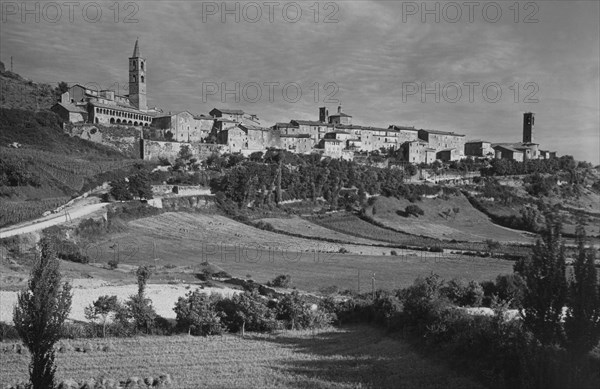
11	64
358	280
373	285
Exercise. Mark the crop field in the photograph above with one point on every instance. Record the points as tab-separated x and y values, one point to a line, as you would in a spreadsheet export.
12	212
299	226
454	218
354	357
189	239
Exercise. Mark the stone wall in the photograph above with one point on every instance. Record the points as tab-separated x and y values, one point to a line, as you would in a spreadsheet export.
187	202
123	139
152	150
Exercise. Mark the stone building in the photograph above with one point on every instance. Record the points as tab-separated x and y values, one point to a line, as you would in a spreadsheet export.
297	143
316	130
479	148
444	140
69	112
448	155
185	126
417	152
106	106
506	151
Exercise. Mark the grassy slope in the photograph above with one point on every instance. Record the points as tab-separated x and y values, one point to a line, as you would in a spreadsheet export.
468	224
183	239
20	93
356	357
64	166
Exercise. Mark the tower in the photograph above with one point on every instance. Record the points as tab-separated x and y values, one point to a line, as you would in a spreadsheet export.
137	79
528	122
323	114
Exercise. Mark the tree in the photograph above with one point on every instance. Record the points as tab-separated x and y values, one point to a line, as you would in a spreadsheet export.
139	185
40	313
102	307
546	291
119	190
62	88
246	311
582	324
183	158
196	313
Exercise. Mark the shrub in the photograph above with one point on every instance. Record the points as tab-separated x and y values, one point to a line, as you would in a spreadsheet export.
463	293
510	288
281	281
423	302
413	210
298	314
246	312
196	314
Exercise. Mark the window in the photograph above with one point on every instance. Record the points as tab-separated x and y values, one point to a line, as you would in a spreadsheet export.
142	78
142	65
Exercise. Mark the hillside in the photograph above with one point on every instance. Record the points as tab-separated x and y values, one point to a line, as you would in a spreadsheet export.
20	93
444	218
48	167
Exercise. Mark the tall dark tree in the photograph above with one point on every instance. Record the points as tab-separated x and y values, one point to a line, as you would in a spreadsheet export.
582	324
546	292
40	313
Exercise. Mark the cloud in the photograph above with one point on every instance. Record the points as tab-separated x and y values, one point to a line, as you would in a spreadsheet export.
368	54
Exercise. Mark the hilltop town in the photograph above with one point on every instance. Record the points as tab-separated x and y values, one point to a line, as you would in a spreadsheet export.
227	130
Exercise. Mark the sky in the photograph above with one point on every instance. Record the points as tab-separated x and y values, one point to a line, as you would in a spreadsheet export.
469	67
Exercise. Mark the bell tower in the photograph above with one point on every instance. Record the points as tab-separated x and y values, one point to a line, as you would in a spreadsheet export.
137	79
528	123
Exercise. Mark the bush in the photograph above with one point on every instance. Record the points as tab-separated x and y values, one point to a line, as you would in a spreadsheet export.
464	293
281	281
299	314
423	302
246	312
413	210
197	314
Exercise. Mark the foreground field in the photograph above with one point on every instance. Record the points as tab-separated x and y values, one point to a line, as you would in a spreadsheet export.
356	357
189	239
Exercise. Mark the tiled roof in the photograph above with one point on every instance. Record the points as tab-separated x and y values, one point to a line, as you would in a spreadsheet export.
229	111
478	141
311	123
286	125
442	132
508	147
119	108
294	136
72	107
402	128
340	114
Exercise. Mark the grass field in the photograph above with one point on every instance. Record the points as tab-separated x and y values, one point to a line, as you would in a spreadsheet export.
454	218
354	357
299	226
188	239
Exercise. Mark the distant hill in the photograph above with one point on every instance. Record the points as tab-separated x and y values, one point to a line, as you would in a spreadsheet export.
20	93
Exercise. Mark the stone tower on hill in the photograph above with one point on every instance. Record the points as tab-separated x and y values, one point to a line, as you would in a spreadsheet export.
528	123
137	79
